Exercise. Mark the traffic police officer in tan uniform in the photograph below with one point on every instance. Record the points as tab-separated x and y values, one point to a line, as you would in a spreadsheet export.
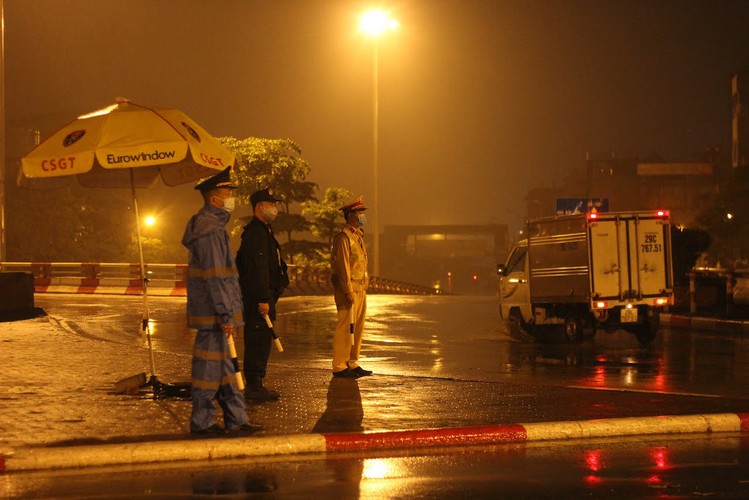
350	279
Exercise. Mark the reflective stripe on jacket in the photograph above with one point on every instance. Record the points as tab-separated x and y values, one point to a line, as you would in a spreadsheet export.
213	296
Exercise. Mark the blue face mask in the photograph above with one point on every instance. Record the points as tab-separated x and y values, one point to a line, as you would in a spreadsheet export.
362	218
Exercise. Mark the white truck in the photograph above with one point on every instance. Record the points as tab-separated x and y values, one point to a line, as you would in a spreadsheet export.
589	271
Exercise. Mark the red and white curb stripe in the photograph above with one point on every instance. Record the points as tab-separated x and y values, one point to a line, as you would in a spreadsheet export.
242	447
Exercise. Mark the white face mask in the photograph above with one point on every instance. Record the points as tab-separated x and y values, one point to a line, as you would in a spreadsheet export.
270	212
229	204
362	218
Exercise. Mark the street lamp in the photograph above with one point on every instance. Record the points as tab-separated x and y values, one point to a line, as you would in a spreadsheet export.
375	23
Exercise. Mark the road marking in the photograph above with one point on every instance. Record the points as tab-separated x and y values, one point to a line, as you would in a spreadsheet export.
646	391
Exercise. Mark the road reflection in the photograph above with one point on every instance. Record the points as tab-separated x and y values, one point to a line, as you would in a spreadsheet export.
446	336
233	483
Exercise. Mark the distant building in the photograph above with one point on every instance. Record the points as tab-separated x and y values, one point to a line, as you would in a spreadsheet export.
456	258
740	120
627	184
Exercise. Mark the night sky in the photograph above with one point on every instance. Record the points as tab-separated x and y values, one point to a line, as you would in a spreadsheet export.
479	100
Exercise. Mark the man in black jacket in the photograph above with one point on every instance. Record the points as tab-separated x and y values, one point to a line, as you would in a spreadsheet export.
263	278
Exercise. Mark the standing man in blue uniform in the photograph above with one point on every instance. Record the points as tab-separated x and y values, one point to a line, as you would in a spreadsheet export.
263	278
214	308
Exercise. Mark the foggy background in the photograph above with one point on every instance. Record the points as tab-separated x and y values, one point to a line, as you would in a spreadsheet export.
479	100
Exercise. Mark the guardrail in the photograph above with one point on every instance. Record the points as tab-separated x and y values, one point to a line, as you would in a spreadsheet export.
171	279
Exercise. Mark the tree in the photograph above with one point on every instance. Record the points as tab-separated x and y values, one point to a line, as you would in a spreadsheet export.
270	163
726	217
73	224
325	221
275	164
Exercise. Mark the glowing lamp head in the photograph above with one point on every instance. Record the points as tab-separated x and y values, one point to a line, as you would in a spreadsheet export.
376	22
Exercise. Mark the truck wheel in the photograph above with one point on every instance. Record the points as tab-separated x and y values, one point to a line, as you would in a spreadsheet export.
573	329
589	326
517	327
645	333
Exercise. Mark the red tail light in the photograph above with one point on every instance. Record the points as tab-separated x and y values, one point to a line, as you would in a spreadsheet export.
662	213
600	304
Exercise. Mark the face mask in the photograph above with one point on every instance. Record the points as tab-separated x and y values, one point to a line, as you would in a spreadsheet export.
229	204
362	219
270	212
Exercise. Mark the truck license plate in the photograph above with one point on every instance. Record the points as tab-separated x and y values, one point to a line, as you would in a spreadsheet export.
629	315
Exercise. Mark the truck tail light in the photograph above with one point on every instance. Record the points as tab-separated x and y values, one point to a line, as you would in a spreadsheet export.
600	304
662	213
592	215
662	301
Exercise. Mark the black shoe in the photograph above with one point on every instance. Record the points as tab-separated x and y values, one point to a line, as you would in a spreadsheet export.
361	372
214	429
248	427
346	373
260	393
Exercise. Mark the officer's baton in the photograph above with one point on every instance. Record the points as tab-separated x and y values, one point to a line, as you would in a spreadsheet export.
276	340
235	362
351	322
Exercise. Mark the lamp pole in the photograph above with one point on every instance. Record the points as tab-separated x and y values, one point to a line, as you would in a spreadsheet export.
3	256
375	157
374	23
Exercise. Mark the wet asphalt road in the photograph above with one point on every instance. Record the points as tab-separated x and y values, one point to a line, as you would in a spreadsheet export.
447	337
413	343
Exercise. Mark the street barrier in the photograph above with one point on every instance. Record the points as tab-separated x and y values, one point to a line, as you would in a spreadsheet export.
103	277
718	292
171	279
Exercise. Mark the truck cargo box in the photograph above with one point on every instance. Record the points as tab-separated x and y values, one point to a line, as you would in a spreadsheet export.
614	257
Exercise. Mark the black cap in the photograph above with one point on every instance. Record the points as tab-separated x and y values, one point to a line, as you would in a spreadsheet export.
263	195
220	180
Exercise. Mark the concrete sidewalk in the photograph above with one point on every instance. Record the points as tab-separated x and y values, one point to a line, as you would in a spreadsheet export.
55	393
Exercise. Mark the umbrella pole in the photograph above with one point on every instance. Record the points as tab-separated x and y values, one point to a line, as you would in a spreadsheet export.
144	283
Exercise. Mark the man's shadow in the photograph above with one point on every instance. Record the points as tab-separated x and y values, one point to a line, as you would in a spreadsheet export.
343	412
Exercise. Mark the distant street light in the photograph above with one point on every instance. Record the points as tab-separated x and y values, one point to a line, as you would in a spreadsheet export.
150	220
375	23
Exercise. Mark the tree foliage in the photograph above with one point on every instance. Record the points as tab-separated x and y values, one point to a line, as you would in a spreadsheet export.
325	215
325	220
726	218
276	164
270	163
73	224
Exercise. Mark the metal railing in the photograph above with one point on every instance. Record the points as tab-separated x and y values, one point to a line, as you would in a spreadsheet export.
112	277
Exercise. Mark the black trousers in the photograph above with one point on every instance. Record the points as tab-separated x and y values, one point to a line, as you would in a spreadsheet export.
257	340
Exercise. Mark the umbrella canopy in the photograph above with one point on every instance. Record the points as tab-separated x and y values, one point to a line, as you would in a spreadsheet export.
99	149
127	145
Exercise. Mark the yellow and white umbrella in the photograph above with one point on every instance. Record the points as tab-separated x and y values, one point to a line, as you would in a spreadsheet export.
127	145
